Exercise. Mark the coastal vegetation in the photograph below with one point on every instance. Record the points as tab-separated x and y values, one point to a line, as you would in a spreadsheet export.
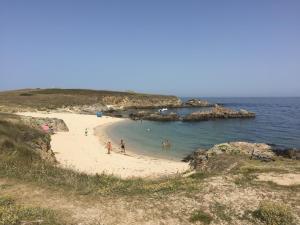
22	166
80	100
12	214
272	213
201	216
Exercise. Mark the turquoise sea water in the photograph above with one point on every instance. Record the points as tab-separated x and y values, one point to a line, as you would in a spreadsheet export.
277	121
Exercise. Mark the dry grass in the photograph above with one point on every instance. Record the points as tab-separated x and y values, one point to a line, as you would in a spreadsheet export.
274	213
12	214
48	99
200	215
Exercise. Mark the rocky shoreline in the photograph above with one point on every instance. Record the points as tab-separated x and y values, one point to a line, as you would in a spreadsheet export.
200	159
217	112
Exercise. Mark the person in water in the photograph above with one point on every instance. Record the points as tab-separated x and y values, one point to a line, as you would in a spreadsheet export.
109	147
166	144
122	145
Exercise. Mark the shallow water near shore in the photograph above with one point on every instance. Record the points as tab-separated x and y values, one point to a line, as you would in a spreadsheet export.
277	121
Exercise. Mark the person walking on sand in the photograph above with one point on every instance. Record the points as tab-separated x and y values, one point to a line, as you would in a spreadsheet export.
86	132
122	146
109	147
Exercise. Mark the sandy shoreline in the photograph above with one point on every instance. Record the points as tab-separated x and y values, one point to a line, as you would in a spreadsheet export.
88	153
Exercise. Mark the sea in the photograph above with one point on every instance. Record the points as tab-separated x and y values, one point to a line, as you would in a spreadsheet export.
277	122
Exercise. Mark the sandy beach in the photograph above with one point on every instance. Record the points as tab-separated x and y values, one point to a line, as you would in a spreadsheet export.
88	153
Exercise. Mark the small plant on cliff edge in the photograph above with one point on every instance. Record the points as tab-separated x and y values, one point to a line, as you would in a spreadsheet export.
201	216
271	213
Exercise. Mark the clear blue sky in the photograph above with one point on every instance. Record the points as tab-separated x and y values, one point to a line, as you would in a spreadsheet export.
187	48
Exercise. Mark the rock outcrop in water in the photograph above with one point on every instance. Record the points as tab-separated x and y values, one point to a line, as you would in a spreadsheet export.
144	115
197	103
200	159
218	112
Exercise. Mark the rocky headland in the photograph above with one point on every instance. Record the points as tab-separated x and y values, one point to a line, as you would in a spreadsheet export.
81	101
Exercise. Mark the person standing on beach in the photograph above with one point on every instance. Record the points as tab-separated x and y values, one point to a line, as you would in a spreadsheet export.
86	131
109	147
122	145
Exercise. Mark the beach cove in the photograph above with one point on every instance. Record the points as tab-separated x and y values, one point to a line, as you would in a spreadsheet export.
88	153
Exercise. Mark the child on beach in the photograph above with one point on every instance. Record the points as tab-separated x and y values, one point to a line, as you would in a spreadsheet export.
109	147
122	146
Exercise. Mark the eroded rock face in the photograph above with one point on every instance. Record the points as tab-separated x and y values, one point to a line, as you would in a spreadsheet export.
218	112
42	145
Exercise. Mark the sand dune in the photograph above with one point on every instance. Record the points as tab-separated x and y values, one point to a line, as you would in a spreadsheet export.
88	153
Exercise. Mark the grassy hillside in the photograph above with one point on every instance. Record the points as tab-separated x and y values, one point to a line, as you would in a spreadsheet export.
45	99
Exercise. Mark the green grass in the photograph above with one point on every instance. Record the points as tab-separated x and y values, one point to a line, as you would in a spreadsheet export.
274	213
13	214
200	215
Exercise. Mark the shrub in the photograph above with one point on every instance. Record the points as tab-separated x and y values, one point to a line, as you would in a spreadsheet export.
201	216
6	201
272	213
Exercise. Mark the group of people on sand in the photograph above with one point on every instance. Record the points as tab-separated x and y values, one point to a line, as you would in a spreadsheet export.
166	144
109	146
